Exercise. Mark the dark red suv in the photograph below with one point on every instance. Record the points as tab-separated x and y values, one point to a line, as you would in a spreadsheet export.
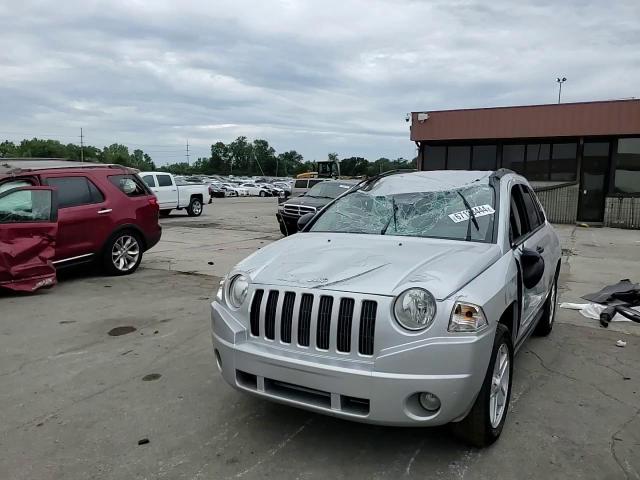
104	212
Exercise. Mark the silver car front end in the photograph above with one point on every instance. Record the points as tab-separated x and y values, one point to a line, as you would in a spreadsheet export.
343	354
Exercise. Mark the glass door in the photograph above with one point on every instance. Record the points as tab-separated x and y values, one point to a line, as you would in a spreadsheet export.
593	178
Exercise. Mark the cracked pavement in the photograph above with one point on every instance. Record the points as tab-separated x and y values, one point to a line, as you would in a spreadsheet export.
74	404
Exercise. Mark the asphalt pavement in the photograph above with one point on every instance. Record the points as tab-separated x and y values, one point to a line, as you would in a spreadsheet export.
114	378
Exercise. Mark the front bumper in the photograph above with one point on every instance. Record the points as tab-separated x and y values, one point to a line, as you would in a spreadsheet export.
382	389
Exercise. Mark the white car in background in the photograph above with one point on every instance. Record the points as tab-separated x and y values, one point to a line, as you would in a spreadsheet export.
242	191
231	190
257	189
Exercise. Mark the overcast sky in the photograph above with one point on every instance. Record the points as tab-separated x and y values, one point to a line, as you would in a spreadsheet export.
314	76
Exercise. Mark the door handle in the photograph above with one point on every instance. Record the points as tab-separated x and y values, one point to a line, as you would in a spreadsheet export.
539	249
104	210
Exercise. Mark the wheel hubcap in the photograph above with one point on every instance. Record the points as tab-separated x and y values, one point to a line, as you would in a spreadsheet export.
499	386
197	207
125	253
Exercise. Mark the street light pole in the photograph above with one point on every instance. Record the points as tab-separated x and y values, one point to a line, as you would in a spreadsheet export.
560	82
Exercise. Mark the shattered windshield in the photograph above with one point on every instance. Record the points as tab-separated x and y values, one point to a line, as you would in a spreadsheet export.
439	213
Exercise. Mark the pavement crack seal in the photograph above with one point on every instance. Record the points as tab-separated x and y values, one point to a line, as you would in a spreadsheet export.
407	470
612	444
569	377
274	451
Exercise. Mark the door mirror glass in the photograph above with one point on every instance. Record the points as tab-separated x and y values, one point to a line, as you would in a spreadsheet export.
27	205
532	267
304	220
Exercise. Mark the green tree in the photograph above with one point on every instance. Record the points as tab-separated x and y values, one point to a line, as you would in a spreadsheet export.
8	149
289	162
265	158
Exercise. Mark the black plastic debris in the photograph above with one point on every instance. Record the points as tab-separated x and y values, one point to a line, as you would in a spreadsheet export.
143	441
622	293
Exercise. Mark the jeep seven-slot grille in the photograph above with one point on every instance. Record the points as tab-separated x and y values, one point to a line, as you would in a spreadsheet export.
286	321
304	323
303	316
324	322
270	315
254	313
345	317
367	327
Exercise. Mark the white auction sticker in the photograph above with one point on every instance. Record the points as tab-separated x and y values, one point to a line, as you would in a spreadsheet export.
478	211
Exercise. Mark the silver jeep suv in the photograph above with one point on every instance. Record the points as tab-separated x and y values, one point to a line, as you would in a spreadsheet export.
402	302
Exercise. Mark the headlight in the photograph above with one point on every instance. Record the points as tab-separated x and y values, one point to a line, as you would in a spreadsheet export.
466	317
237	290
415	309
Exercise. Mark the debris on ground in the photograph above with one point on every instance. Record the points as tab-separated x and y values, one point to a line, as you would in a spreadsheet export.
621	343
143	441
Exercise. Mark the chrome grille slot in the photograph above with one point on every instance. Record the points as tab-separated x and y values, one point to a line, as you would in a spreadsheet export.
304	319
367	327
324	322
345	318
254	313
286	321
270	315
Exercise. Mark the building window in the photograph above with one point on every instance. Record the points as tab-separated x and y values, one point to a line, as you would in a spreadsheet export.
564	164
434	157
513	158
628	166
459	158
484	157
538	161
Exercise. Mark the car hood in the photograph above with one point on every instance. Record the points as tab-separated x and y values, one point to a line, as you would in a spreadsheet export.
369	264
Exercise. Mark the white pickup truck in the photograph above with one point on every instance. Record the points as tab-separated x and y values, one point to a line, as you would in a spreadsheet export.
173	196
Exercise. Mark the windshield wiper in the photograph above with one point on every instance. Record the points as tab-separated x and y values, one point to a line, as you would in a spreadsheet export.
472	216
392	217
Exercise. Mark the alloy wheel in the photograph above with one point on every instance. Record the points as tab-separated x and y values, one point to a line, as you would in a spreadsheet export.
196	206
499	386
125	253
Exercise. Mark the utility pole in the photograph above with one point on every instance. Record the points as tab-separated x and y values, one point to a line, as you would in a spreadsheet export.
560	82
188	152
81	146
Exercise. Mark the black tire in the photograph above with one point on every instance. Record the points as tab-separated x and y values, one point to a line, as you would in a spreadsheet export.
283	230
165	213
476	428
195	207
109	257
263	194
545	324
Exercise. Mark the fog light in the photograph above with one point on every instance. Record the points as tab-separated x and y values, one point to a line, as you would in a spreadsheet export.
218	360
429	402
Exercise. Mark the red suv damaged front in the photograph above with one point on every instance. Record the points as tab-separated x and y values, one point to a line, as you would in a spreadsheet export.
104	213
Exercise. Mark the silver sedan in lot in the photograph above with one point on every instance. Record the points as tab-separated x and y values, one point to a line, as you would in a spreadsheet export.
402	302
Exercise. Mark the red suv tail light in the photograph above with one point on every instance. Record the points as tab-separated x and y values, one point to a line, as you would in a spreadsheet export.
153	201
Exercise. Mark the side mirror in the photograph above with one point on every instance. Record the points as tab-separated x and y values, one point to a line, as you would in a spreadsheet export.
304	219
532	267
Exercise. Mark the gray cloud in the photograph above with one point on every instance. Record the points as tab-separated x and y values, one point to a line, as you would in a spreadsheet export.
312	76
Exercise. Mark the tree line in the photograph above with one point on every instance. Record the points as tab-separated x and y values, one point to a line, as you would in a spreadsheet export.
239	157
114	153
243	157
